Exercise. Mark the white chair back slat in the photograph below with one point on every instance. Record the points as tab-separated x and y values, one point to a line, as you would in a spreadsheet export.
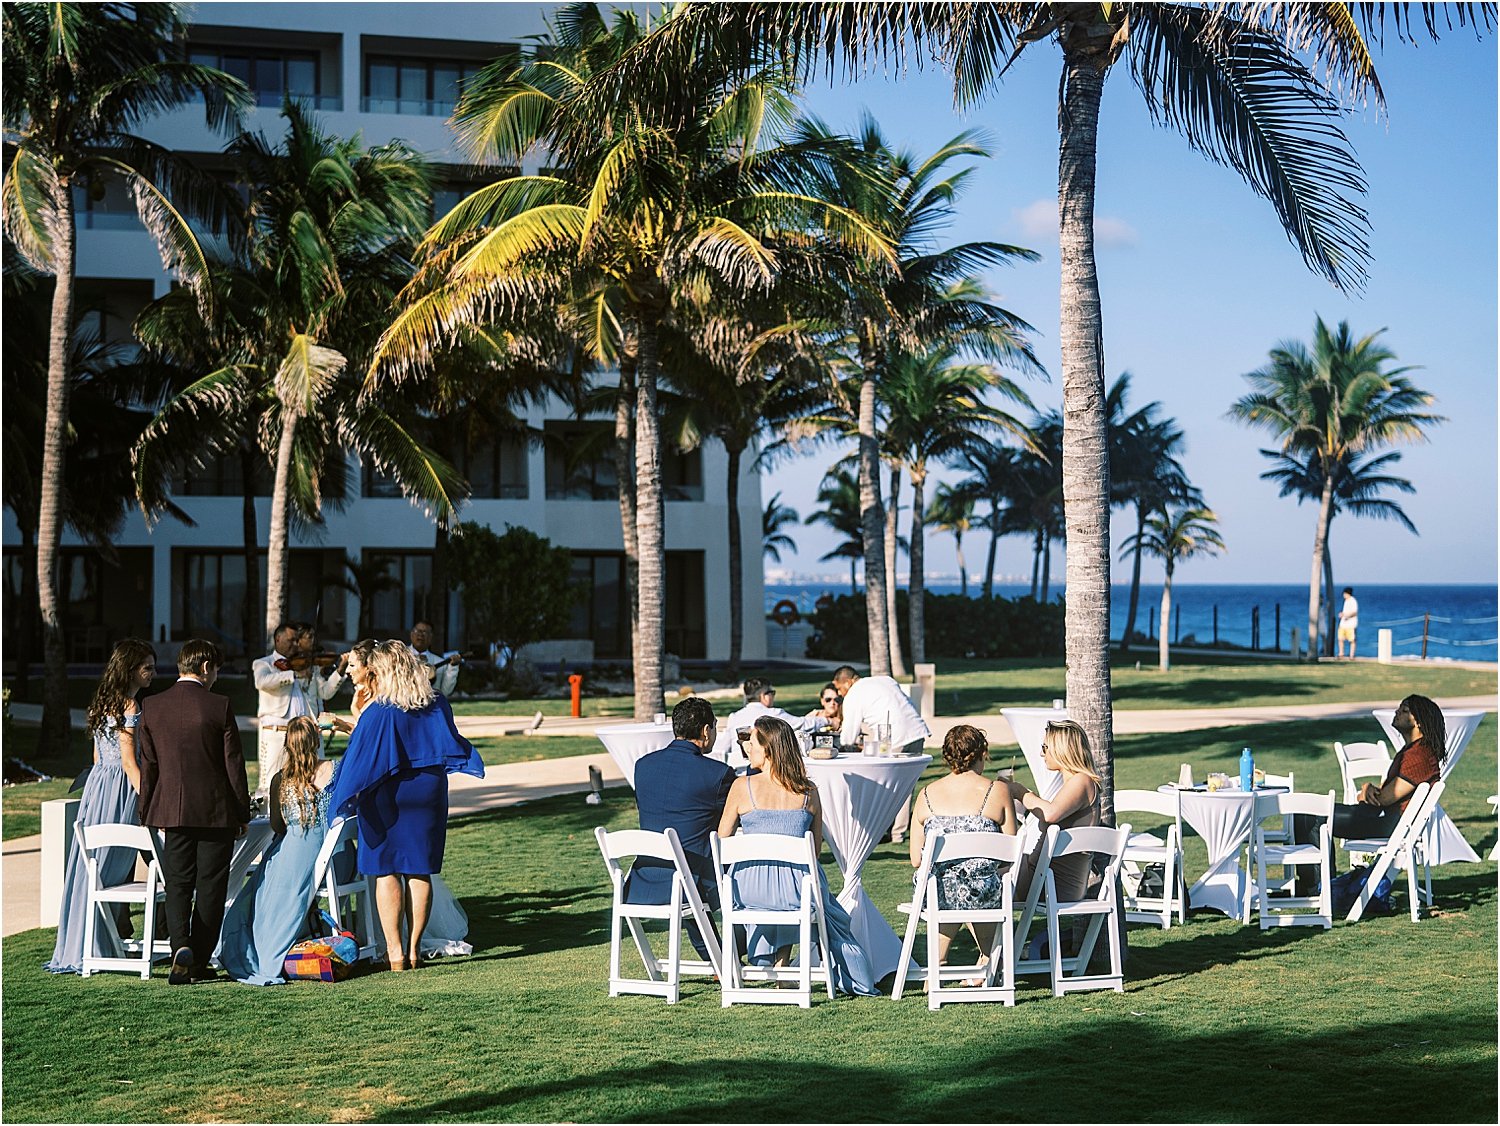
1287	908
99	900
1138	854
1403	848
1102	909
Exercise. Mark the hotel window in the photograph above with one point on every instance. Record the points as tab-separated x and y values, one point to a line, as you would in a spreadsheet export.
272	75
410	597
415	86
580	464
209	591
224	476
497	469
602	611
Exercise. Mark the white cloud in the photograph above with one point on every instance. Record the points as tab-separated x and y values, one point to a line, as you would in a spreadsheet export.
1038	221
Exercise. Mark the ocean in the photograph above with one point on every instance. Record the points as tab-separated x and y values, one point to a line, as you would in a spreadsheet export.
1463	622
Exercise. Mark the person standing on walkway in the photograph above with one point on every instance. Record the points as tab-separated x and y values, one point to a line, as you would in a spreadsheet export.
873	700
1348	622
290	685
193	788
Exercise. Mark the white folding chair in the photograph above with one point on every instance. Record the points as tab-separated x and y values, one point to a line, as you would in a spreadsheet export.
1358	761
1164	849
1403	849
1293	910
99	900
661	980
350	902
1282	834
1033	908
752	848
924	909
1102	909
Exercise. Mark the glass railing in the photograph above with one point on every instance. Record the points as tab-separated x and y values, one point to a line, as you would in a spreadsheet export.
412	106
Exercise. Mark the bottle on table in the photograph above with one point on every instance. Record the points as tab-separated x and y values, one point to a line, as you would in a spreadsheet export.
1247	770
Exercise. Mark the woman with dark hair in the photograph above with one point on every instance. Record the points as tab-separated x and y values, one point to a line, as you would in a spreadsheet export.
1420	722
110	793
830	710
778	797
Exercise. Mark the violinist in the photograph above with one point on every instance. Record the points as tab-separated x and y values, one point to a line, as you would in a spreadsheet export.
293	680
441	667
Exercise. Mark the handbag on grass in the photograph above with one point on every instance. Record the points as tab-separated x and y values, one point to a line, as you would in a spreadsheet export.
322	959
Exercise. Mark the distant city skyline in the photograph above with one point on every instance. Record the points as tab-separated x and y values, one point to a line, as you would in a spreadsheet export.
1199	283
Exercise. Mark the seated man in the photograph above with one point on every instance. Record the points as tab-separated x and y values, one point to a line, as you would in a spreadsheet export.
760	699
678	788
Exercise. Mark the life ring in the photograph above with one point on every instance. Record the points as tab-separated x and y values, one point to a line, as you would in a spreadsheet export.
786	613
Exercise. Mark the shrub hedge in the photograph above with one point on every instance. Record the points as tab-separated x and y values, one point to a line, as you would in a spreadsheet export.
956	626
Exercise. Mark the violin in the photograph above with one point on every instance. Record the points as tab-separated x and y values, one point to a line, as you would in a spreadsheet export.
301	662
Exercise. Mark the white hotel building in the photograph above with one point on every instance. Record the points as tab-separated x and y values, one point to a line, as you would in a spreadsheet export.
388	71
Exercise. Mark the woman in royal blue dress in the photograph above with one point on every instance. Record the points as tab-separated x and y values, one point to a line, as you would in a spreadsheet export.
780	798
271	914
109	795
395	777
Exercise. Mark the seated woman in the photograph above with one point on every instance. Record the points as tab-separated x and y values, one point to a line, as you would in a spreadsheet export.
1420	722
781	799
1065	749
829	715
271	913
964	802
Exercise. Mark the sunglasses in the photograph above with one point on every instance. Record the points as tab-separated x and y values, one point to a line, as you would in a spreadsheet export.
830	699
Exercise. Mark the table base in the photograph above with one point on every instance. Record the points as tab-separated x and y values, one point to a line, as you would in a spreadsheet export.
881	944
1222	888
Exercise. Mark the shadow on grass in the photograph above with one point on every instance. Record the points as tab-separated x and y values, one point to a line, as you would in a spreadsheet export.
1151	1072
523	924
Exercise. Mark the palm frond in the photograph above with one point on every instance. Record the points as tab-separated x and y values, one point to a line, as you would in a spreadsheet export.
28	193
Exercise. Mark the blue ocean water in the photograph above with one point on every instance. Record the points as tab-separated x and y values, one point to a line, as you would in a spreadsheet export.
1462	623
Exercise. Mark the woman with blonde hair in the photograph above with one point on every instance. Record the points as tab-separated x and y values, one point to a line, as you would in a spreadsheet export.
1065	749
778	797
395	777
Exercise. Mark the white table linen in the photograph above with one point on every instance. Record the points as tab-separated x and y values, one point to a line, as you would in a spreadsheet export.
1029	725
860	798
1446	843
1224	820
628	742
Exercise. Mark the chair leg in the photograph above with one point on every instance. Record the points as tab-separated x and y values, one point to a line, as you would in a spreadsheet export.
1114	921
89	924
934	966
908	943
616	936
805	954
674	952
1054	940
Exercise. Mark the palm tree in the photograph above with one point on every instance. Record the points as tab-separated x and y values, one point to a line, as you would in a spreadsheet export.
1227	76
1358	481
668	210
839	496
1173	536
79	79
952	510
1034	497
773	541
1337	399
992	471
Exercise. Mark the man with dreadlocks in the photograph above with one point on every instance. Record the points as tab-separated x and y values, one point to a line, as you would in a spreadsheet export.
1420	722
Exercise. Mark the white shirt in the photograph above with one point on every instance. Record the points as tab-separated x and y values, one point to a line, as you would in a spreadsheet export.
286	694
879	699
445	676
728	739
1349	615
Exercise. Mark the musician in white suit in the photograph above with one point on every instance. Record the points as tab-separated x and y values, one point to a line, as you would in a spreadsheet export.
290	684
443	666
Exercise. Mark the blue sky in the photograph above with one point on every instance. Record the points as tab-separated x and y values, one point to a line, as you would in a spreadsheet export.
1198	282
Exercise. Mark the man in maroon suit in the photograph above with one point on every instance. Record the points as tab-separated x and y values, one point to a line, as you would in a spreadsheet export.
193	788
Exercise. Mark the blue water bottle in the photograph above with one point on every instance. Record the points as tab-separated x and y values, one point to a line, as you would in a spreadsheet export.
1247	771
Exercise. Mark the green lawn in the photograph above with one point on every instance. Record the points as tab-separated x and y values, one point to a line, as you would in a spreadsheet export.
499	749
1380	1021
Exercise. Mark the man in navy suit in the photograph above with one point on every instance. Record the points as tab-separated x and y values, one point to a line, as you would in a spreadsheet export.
678	788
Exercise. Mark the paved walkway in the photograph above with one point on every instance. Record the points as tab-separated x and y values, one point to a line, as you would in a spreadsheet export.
513	783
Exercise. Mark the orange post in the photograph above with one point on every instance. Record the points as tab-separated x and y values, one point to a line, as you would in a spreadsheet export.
576	681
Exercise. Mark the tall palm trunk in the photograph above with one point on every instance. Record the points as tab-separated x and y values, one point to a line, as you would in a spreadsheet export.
250	534
1046	563
1036	562
56	725
1164	655
276	539
649	518
1330	634
1085	420
624	457
892	538
989	563
1315	589
878	620
916	584
853	577
1135	577
963	572
736	562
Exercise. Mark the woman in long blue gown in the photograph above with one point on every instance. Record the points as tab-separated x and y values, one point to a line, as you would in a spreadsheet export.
109	797
271	913
781	799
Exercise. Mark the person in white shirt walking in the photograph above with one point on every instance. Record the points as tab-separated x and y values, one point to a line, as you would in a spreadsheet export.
290	685
1348	622
760	699
442	668
871	700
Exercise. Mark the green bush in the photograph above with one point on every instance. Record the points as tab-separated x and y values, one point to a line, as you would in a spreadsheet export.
956	627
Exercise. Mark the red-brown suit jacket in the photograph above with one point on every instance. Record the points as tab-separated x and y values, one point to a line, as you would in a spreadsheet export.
192	764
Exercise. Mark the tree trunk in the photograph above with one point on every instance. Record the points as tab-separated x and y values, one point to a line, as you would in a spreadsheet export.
1135	577
1036	563
624	455
989	564
650	516
1086	485
1315	589
963	572
1046	564
26	619
277	549
1331	617
916	584
56	720
1164	655
878	622
853	576
438	599
736	564
250	534
892	538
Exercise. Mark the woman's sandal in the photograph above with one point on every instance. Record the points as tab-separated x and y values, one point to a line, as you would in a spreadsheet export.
397	965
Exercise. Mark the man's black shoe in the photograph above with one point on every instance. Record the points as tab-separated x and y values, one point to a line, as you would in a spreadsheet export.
182	966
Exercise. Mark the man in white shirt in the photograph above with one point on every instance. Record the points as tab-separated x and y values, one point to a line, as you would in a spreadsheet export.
290	685
870	700
760	699
444	669
1348	622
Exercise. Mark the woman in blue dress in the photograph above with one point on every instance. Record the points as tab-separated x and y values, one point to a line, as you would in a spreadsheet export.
395	777
110	795
780	798
271	913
